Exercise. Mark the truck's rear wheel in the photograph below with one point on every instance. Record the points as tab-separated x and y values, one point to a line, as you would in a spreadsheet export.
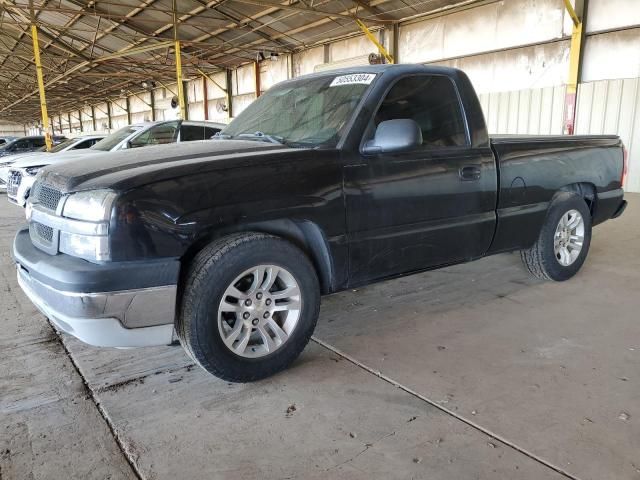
564	240
249	307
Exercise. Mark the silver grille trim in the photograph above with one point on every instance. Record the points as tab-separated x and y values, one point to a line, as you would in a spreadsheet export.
41	215
45	232
15	177
46	196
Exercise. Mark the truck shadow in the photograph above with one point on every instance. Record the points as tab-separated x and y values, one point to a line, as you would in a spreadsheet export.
383	305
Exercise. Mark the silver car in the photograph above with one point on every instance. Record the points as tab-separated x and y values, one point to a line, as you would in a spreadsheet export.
22	175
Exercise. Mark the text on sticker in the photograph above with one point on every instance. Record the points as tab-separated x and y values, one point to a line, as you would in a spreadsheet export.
354	78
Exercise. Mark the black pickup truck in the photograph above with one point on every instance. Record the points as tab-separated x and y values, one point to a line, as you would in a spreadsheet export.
325	182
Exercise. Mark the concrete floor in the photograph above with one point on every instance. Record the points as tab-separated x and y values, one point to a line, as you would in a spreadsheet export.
474	371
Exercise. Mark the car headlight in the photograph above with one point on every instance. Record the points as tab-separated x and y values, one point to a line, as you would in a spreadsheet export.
92	206
94	248
33	170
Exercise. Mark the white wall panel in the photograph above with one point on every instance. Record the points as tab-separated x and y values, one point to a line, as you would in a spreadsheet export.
490	27
243	80
613	107
525	68
527	112
241	102
305	61
119	121
196	111
272	72
607	14
213	90
195	90
351	47
11	129
612	55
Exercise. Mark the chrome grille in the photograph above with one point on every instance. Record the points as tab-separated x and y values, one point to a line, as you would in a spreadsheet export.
46	196
44	237
15	178
43	231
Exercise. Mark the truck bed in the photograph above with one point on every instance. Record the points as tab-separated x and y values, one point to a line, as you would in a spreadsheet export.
533	168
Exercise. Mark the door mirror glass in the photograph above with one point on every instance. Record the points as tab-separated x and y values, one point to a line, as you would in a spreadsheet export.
394	136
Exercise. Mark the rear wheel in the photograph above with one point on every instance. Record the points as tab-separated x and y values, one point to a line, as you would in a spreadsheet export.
250	305
563	243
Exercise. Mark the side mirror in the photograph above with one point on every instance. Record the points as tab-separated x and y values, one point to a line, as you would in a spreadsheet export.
394	136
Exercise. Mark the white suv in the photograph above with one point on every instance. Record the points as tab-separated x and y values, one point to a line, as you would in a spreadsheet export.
19	176
22	174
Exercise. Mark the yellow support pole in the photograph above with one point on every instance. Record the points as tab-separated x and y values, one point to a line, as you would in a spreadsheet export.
574	58
43	99
183	109
574	70
383	51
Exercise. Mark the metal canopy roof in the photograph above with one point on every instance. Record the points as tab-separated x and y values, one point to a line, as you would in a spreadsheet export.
98	50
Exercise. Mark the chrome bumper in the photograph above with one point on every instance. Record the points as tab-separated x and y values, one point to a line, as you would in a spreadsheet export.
99	319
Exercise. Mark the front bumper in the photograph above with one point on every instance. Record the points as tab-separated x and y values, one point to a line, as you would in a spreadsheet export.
89	302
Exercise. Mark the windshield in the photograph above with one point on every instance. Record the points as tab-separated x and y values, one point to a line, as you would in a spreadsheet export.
311	112
112	140
61	146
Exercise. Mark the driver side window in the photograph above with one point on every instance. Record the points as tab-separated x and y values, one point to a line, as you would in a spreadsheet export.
164	133
432	102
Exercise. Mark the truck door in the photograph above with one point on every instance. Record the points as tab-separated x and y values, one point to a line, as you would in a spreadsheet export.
427	207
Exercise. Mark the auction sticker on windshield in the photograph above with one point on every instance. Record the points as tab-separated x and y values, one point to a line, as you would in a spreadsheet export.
352	79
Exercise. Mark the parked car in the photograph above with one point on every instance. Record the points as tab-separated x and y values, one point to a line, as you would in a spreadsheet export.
156	133
17	147
326	182
4	140
21	174
131	136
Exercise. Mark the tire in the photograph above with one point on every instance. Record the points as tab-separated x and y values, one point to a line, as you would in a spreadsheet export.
208	314
546	262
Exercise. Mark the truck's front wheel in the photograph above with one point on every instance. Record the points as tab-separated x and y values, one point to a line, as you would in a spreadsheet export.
564	240
249	307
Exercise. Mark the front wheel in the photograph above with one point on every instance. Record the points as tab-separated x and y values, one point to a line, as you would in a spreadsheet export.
250	305
564	240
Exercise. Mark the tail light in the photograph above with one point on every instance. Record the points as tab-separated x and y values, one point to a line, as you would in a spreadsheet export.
625	166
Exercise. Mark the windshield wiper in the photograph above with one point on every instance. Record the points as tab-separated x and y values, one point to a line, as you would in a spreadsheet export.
262	137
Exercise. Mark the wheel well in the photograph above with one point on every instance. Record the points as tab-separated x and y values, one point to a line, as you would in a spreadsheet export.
588	193
305	235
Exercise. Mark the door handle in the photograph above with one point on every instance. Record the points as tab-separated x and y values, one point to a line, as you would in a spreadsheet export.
470	172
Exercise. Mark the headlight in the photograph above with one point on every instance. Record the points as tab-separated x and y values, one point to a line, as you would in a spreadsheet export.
92	206
92	248
33	170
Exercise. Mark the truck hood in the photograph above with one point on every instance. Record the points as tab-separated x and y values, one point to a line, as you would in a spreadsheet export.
125	169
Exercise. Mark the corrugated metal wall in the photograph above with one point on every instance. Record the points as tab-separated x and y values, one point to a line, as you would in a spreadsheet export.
12	129
604	107
613	106
535	111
